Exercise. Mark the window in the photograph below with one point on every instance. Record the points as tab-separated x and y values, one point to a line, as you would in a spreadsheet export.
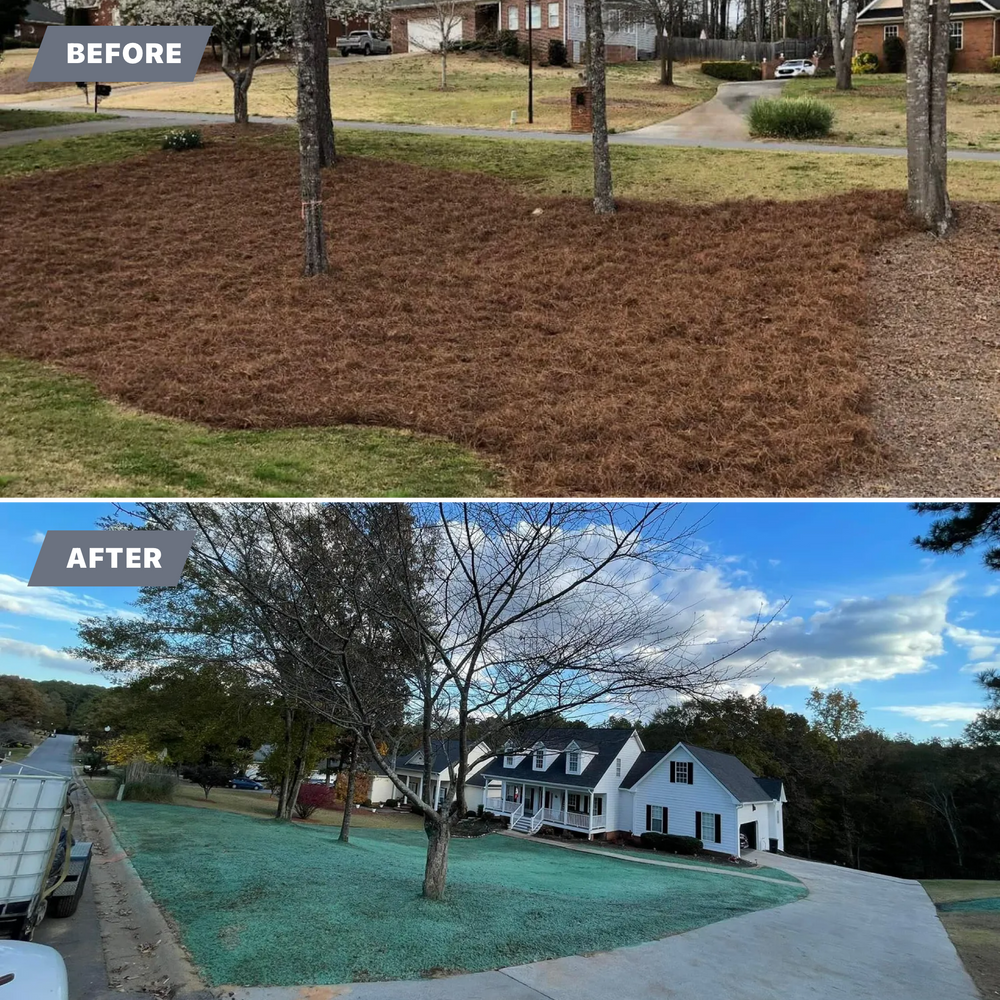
680	772
618	767
512	18
573	762
598	805
553	15
508	761
709	827
577	15
539	760
536	15
613	21
955	34
656	824
573	802
890	31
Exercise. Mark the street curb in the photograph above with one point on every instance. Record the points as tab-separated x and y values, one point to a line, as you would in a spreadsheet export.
142	948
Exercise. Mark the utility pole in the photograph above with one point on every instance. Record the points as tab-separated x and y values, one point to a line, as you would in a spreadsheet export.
531	65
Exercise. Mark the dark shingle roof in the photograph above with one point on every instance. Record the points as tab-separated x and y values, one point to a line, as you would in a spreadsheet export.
41	14
644	763
605	743
971	7
445	753
731	772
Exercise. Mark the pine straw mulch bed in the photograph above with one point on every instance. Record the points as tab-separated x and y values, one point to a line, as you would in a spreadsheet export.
672	349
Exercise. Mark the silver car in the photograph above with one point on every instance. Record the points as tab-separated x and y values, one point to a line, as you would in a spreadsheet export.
795	67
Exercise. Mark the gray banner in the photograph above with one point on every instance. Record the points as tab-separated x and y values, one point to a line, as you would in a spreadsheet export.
111	559
126	54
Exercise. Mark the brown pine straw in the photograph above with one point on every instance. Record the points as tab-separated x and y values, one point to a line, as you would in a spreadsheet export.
673	349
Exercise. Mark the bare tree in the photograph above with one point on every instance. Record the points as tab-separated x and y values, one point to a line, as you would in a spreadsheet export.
321	56
447	18
604	202
310	145
927	40
666	16
843	18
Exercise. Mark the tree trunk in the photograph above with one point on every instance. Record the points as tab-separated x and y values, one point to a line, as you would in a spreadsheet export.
352	773
444	66
604	203
926	119
298	767
310	178
241	113
283	788
324	113
436	870
662	42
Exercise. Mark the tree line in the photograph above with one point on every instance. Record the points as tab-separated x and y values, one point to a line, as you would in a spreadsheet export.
28	706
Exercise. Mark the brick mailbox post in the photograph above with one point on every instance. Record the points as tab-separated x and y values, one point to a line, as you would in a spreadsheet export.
581	113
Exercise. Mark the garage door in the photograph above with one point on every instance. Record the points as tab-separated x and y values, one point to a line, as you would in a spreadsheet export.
425	35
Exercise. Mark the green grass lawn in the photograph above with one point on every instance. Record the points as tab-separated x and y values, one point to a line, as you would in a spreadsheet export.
243	891
59	438
482	91
873	112
970	912
11	120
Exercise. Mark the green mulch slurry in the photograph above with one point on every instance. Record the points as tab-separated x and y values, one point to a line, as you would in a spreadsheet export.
969	909
14	120
261	903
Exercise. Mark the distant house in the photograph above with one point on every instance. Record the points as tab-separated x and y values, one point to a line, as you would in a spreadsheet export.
603	783
36	19
974	29
417	28
95	13
444	770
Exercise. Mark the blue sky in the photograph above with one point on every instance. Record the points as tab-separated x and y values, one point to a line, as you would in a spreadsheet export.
867	610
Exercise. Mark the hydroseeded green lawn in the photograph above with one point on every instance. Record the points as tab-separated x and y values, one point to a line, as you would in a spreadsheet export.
260	903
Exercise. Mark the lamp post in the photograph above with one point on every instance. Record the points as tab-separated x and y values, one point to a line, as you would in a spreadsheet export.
531	64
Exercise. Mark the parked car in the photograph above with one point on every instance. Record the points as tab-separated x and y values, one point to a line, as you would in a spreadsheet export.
32	970
795	67
364	42
248	784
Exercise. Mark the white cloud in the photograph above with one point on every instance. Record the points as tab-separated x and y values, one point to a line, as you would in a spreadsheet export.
44	656
37	538
992	590
17	598
941	714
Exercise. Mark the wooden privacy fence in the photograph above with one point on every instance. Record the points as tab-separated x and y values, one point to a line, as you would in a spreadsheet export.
704	49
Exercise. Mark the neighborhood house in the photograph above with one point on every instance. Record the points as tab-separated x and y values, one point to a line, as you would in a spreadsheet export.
974	30
417	27
444	768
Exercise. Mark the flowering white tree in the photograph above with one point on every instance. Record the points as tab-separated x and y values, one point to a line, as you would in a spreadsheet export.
249	32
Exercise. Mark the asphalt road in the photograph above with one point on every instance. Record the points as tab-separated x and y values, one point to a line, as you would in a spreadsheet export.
77	938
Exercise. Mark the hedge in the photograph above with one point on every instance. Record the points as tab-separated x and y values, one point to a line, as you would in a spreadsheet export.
671	842
732	70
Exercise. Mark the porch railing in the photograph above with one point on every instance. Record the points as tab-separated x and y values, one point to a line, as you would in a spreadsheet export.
536	820
517	814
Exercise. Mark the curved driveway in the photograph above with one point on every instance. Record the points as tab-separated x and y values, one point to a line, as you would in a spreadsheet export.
857	936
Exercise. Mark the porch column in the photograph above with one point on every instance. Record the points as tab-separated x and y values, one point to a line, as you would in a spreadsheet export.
503	795
565	808
590	817
437	791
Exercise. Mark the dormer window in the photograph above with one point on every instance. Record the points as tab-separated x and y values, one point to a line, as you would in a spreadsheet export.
573	762
682	772
508	761
540	760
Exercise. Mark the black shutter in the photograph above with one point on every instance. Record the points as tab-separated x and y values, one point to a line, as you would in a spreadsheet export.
697	825
718	828
673	770
665	830
649	817
691	773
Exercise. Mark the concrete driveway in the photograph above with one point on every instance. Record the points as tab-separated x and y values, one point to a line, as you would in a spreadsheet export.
721	118
855	936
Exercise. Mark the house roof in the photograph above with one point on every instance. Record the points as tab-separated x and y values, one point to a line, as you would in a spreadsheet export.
445	753
605	744
889	10
41	14
728	770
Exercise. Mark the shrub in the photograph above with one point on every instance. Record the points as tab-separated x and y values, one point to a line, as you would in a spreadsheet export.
557	52
208	776
391	803
994	64
736	69
790	118
487	815
671	842
311	798
864	62
179	139
509	44
894	54
156	785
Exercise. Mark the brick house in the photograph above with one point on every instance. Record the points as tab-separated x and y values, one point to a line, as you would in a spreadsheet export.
416	27
36	19
975	30
96	13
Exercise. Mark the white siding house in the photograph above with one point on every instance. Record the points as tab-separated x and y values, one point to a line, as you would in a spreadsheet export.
444	767
693	792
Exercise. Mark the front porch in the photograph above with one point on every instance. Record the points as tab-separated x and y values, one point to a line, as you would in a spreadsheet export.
531	806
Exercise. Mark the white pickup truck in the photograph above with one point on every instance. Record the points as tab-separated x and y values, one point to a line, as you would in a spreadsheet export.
364	42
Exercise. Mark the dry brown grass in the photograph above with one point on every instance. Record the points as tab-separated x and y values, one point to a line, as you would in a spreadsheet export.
672	349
